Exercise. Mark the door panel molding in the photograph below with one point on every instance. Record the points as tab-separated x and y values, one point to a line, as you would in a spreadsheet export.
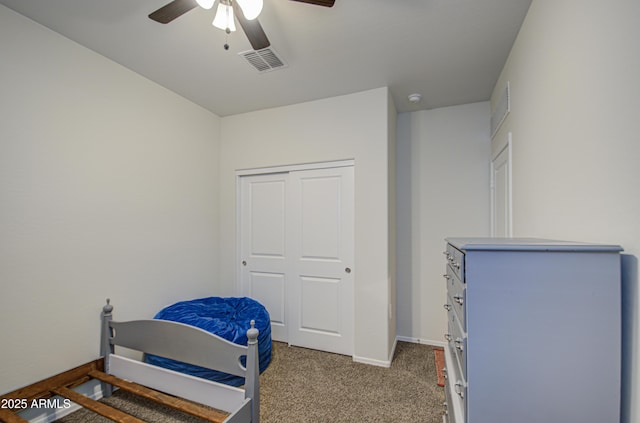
501	191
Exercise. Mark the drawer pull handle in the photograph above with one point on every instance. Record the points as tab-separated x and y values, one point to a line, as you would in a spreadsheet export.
447	307
459	389
458	299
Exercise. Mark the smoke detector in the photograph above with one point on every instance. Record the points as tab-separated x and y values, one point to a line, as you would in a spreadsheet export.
415	98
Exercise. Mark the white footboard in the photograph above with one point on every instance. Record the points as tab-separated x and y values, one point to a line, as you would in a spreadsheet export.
213	394
191	345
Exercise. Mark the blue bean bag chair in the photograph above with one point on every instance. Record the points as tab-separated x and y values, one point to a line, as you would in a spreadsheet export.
227	317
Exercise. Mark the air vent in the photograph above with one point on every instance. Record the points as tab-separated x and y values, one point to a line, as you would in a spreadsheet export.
265	60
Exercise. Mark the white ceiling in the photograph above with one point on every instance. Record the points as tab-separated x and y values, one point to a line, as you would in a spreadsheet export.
450	51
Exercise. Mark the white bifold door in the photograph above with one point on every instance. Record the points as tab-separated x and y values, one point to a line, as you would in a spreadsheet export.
296	243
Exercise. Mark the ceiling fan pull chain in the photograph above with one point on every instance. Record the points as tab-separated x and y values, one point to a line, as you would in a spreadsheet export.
227	30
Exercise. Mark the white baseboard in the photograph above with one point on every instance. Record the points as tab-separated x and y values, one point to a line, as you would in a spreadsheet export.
393	350
421	341
387	363
379	363
372	361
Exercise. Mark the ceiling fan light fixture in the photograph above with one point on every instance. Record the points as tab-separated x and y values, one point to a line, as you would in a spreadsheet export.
251	8
224	18
206	4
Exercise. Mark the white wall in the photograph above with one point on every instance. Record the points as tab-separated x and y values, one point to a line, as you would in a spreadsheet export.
348	127
442	191
108	188
573	72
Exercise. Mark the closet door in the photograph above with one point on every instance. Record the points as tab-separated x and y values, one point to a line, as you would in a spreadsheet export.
296	241
321	290
263	244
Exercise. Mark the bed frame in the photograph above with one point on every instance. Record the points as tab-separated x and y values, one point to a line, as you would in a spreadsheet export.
176	390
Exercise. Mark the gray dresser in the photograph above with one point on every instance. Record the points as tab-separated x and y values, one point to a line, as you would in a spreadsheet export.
533	331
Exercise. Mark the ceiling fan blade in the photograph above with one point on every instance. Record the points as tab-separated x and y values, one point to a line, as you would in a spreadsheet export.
173	10
326	3
252	29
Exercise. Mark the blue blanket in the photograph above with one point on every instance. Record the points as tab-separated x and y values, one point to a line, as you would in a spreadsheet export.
227	317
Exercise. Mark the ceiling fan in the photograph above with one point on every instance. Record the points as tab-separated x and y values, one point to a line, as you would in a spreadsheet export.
251	27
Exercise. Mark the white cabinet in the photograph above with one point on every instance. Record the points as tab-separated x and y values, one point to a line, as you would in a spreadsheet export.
533	331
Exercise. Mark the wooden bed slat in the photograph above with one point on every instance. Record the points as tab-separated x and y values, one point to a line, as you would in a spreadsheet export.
7	416
96	407
207	414
41	389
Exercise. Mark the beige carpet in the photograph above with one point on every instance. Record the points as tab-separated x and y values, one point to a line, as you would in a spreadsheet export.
302	385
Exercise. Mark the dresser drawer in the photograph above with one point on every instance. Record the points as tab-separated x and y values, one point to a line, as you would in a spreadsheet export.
455	392
455	259
457	342
457	292
447	403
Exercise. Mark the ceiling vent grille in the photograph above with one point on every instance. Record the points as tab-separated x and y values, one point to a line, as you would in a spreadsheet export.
265	60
